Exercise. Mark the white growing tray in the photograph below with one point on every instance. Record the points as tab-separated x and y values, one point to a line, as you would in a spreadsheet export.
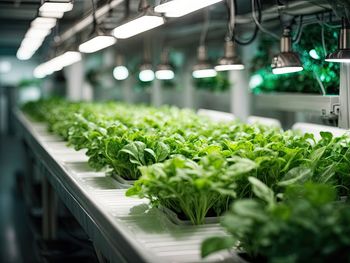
124	229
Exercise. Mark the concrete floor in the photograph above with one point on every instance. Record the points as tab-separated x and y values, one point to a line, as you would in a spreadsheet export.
17	242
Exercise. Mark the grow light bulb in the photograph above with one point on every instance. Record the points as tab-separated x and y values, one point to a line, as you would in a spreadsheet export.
146	75
286	61
177	8
204	73
137	26
56	6
120	73
286	70
97	43
342	54
165	74
203	69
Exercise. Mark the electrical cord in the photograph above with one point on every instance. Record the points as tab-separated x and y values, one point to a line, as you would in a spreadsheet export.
205	28
234	36
259	24
299	30
94	15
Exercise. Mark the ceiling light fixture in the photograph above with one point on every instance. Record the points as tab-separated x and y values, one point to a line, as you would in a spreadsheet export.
342	55
51	14
203	69
147	20
177	8
37	33
287	61
58	6
120	72
165	70
44	22
98	40
230	61
146	72
97	43
57	63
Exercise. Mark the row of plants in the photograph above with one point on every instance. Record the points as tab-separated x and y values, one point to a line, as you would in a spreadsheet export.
273	186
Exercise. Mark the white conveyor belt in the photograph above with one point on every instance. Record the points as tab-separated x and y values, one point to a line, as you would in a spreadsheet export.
124	229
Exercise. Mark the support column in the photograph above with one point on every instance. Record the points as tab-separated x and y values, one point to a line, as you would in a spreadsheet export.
344	96
156	93
127	89
240	96
187	84
75	81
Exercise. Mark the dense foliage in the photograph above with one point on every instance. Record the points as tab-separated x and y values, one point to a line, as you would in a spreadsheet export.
308	225
278	184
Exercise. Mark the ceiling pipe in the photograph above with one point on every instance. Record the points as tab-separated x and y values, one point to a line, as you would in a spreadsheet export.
87	21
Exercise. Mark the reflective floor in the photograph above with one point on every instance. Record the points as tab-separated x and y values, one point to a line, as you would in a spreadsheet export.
17	242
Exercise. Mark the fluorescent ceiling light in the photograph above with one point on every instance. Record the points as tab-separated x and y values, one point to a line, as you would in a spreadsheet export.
120	72
57	63
44	22
286	70
37	32
51	14
137	26
204	73
177	8
56	6
97	43
165	74
24	54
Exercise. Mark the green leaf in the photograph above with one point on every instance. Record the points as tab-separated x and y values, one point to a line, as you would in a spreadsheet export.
261	190
215	244
296	175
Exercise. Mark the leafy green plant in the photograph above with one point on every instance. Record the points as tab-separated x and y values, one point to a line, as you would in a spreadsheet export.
308	225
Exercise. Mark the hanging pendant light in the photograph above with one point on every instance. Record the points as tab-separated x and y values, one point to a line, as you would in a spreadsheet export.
165	70
342	55
230	61
120	72
203	69
287	61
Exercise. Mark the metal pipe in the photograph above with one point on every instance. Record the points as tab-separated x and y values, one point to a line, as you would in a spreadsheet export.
85	22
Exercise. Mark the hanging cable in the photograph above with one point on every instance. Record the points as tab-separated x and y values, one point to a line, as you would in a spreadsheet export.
299	30
205	28
259	24
234	35
94	15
